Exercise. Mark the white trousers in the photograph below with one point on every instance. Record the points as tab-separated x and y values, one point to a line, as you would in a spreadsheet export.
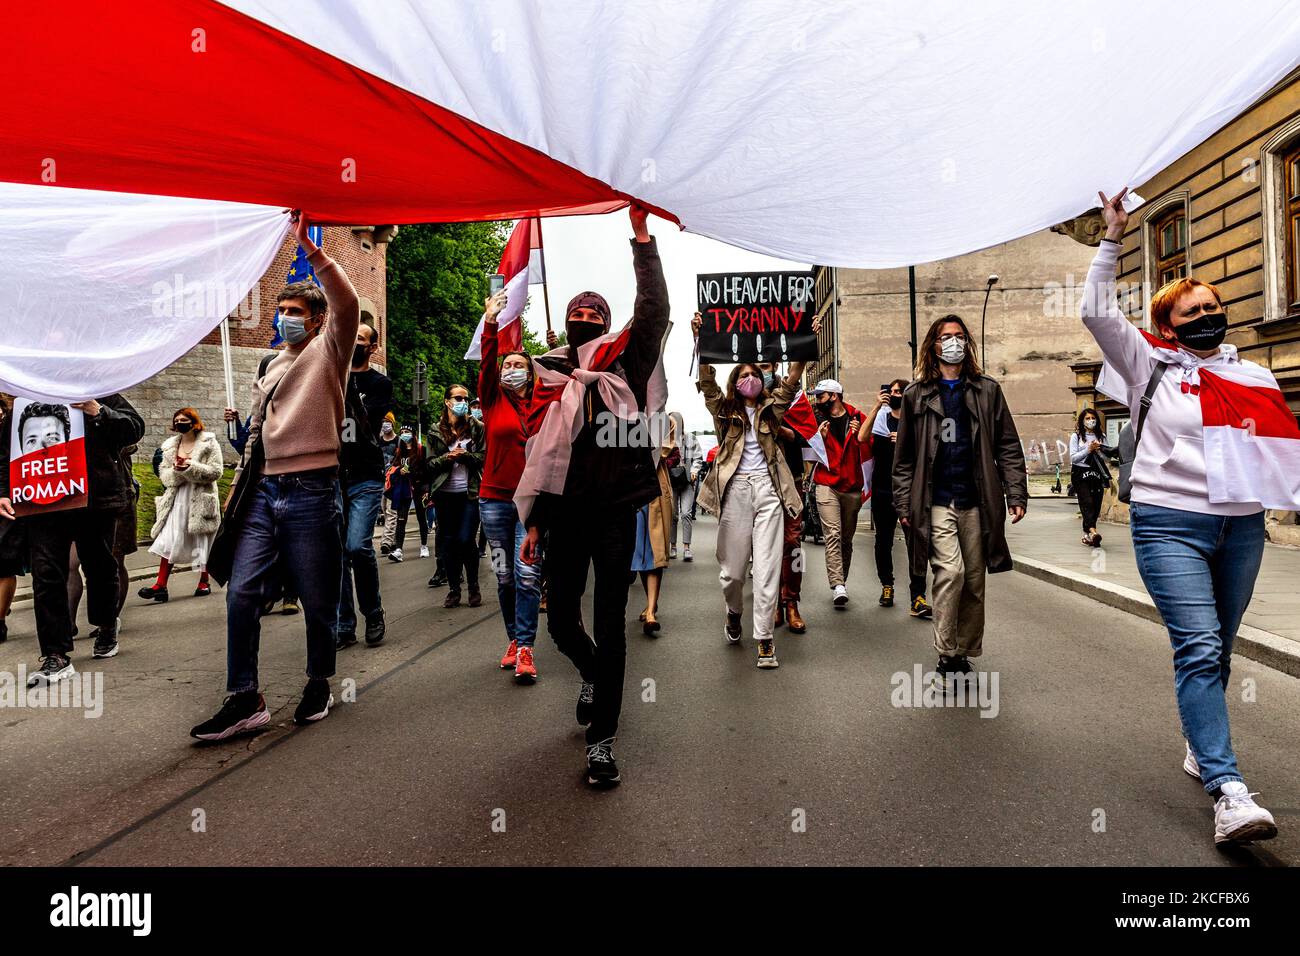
752	521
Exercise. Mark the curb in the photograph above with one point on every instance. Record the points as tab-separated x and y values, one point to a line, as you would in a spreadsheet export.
1258	645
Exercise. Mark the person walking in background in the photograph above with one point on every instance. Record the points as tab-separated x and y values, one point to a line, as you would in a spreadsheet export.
284	514
749	488
958	472
838	488
189	509
112	425
654	521
505	395
681	475
455	467
1197	518
1088	471
405	480
388	444
366	400
882	432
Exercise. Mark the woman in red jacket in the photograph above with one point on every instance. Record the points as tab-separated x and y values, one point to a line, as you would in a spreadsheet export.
504	393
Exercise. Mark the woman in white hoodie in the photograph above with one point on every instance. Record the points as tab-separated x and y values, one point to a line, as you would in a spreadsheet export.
189	512
1197	537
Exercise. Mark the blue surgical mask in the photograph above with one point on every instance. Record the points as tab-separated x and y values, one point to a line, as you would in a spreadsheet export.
460	409
477	413
293	329
406	436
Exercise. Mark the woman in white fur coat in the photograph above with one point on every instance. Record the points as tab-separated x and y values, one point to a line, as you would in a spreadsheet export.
189	510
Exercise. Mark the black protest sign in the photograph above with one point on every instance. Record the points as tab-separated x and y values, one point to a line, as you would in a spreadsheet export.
756	317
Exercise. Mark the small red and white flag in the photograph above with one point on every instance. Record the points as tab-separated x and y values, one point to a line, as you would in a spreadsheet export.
1250	436
522	265
799	416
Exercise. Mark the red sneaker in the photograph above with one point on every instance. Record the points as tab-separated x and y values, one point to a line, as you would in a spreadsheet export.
525	672
509	659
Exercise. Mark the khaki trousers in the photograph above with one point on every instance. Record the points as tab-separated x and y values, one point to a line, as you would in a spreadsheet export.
752	519
838	511
957	588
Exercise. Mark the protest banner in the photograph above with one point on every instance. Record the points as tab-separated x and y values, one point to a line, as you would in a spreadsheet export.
756	317
47	457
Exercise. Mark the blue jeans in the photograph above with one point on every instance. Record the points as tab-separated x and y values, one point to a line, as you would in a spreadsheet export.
519	585
360	505
293	524
1200	571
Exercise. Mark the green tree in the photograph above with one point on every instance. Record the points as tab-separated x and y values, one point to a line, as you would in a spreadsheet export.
437	281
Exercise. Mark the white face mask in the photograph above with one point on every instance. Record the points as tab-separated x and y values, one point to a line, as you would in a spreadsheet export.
953	351
1090	423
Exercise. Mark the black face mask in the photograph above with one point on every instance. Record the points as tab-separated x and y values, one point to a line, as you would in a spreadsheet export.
1204	332
895	402
580	333
359	355
183	427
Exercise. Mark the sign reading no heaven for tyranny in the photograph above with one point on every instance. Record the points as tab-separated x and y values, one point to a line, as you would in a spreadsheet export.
756	317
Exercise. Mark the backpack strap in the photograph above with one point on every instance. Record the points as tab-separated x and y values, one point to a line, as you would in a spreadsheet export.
1145	403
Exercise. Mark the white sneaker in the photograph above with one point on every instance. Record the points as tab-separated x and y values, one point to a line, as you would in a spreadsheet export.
1190	766
1238	818
395	555
424	550
687	556
841	595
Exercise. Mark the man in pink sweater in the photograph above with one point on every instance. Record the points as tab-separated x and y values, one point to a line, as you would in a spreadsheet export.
292	520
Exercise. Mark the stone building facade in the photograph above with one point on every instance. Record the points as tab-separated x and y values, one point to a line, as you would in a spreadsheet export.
197	378
1227	212
1031	336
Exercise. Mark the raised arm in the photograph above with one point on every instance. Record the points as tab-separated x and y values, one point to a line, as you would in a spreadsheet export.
340	331
1123	346
489	376
787	389
650	313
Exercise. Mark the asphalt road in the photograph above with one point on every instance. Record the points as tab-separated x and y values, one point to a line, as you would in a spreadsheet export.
441	759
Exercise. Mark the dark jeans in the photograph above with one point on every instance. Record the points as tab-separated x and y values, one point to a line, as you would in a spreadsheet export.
583	535
884	518
293	526
51	537
421	517
361	502
454	538
792	559
1089	491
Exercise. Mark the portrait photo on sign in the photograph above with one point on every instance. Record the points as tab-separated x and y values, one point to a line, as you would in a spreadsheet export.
47	457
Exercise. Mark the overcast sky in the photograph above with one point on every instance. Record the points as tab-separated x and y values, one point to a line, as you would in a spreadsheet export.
593	252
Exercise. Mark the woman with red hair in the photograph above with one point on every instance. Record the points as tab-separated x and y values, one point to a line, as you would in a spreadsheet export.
1196	516
188	512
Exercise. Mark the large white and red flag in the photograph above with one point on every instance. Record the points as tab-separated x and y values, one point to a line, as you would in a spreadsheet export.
799	416
429	111
1249	434
522	265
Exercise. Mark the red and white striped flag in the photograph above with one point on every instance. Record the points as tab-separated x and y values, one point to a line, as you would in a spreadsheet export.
522	265
1249	434
799	416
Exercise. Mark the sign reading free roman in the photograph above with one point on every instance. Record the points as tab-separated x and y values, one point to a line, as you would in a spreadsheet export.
756	317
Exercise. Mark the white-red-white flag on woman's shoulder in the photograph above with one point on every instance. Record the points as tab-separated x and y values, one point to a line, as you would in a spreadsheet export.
522	265
799	416
1249	434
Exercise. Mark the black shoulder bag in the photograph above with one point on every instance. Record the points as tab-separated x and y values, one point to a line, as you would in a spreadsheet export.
1130	436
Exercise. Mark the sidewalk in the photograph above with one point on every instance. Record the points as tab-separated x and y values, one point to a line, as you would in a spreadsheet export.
1046	546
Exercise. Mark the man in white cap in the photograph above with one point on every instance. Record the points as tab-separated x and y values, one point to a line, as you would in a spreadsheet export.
838	489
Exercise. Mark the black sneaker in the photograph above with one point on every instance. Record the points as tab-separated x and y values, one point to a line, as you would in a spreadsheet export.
438	580
316	702
887	595
602	772
239	714
921	609
960	665
375	630
346	639
53	669
733	628
106	643
586	700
